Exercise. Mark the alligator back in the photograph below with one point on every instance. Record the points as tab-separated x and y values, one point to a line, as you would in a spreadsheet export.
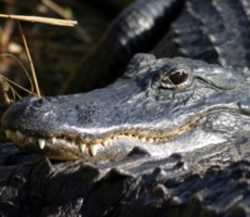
210	30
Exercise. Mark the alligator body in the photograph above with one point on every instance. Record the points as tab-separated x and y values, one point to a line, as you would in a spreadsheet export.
169	138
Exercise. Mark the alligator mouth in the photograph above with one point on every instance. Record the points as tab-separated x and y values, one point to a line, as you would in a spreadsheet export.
86	146
91	147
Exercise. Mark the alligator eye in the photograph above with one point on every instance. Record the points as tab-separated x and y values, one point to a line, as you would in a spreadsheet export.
176	79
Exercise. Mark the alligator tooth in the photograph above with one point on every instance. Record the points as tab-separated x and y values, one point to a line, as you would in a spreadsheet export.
8	134
41	143
143	139
53	140
82	147
93	149
72	143
157	140
19	135
105	143
151	140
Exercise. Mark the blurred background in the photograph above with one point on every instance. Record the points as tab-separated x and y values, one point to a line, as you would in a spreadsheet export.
56	50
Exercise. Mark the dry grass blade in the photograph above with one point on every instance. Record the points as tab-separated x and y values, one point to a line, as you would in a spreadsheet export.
59	10
7	85
51	21
30	61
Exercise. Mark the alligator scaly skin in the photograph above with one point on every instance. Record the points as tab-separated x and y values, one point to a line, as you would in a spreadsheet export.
204	182
169	187
210	30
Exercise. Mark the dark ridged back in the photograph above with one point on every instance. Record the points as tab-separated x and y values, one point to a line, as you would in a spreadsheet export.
217	31
137	29
111	7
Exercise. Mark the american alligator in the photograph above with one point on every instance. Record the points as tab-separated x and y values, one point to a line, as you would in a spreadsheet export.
169	138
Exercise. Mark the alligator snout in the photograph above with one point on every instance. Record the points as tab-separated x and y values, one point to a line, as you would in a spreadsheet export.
24	113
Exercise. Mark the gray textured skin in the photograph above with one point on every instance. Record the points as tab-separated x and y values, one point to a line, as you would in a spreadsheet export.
203	181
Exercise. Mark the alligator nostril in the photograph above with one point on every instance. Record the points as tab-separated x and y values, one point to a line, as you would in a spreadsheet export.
39	102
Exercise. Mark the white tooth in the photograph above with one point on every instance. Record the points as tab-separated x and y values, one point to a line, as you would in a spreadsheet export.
71	143
157	140
151	140
41	143
105	143
19	135
8	134
82	147
53	140
143	139
93	149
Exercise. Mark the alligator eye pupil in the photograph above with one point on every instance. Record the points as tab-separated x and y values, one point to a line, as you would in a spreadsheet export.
178	77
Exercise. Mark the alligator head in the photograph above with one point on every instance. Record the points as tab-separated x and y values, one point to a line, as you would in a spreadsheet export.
160	106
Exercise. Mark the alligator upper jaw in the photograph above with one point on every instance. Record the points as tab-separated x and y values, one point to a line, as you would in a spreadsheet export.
112	146
116	145
102	146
